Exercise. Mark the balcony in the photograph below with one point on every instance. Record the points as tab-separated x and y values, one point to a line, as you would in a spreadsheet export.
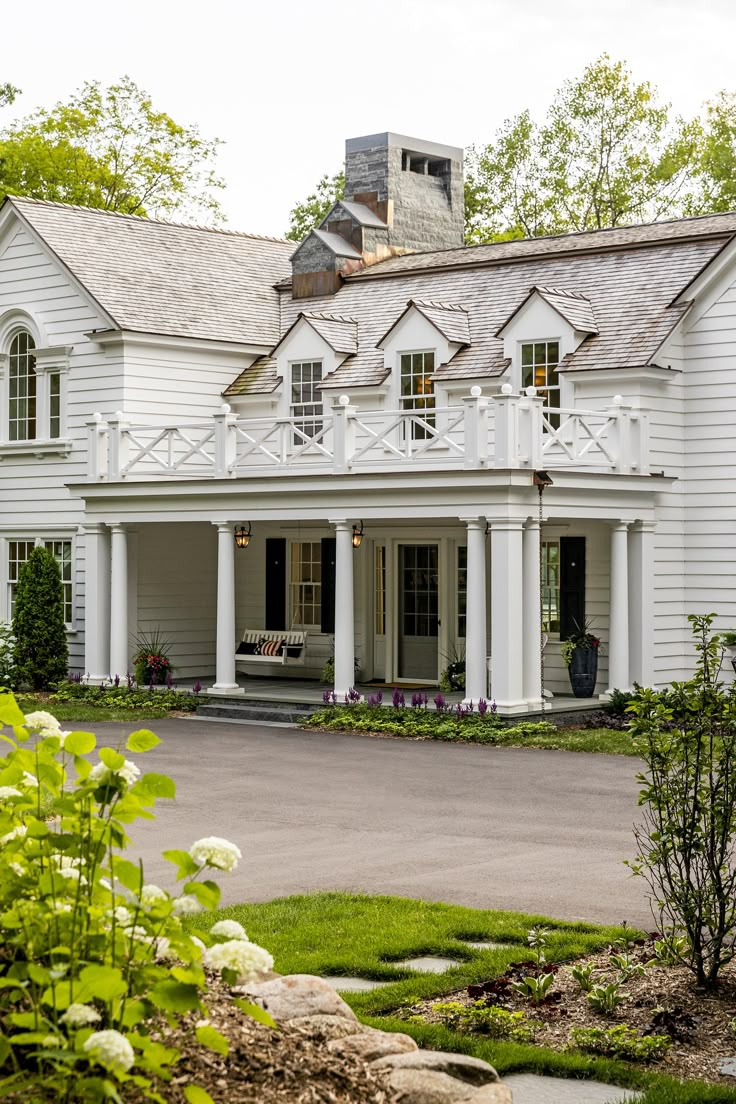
507	431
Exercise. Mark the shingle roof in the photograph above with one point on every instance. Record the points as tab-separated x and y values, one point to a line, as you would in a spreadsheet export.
570	305
341	334
359	211
260	378
338	245
164	278
701	227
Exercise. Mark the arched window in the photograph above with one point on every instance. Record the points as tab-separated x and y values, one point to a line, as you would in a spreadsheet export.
22	388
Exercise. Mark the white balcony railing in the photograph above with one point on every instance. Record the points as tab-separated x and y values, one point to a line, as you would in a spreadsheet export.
507	431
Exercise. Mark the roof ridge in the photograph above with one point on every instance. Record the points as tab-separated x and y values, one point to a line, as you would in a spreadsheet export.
148	221
328	317
438	305
544	290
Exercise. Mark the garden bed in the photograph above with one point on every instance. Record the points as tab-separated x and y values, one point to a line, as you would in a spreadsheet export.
80	702
699	1028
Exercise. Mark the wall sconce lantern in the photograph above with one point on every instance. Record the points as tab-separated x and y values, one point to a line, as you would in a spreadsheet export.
357	535
242	535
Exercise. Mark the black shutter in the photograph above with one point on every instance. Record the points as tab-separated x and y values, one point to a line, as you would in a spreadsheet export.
276	583
328	585
572	586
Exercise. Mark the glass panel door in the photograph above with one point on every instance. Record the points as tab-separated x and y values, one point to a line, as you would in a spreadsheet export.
418	611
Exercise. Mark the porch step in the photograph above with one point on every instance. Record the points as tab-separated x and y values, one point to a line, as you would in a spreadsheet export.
255	710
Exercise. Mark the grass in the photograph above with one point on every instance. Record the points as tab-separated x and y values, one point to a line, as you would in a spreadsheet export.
342	933
80	710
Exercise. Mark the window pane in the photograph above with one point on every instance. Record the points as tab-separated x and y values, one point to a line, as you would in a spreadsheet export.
61	550
417	392
18	553
380	590
306	400
22	388
550	586
305	585
54	405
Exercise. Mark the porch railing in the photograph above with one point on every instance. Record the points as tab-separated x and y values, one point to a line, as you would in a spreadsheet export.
506	431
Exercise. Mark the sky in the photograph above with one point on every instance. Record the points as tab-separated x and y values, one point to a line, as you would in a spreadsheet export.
284	83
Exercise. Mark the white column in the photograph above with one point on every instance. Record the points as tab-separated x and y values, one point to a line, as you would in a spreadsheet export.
225	655
532	622
618	644
506	616
344	611
119	645
476	647
641	603
96	602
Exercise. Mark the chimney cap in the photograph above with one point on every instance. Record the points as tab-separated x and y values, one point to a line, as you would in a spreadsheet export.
402	141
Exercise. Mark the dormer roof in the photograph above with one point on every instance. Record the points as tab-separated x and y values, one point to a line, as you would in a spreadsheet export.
449	319
335	243
575	308
259	378
340	333
360	212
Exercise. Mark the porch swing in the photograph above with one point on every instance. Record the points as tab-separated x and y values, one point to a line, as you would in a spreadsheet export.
286	647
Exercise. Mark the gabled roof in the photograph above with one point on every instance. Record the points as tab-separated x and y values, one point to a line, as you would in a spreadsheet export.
367	369
450	319
165	278
570	305
341	334
358	211
338	245
259	378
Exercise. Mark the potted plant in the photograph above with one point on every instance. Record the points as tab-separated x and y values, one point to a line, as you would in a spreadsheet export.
453	676
728	643
151	659
580	652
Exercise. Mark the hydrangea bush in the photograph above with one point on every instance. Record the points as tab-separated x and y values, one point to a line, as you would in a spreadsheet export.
94	961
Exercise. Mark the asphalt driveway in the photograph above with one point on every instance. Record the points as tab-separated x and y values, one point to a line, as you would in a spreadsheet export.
539	831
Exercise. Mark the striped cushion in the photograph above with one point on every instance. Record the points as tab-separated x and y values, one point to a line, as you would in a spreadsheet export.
271	647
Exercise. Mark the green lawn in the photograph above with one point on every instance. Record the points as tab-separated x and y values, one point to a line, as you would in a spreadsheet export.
146	706
341	933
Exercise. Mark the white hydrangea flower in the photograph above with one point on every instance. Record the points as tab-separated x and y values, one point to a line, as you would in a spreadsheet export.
50	1042
129	773
9	791
229	929
161	947
61	906
187	905
72	874
110	1049
122	915
216	852
17	869
29	780
67	862
247	960
136	932
198	943
44	724
17	833
152	893
80	1015
63	735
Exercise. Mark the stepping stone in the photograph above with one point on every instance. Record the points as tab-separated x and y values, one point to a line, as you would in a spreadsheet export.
353	984
727	1067
484	945
529	1088
428	964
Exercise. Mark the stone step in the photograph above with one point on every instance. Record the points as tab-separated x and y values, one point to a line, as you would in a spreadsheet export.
278	712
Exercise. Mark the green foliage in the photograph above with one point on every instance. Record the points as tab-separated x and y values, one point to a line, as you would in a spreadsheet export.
687	836
154	703
483	1019
151	658
583	975
626	966
535	989
110	148
94	959
605	998
8	92
620	1042
308	214
671	950
41	652
8	672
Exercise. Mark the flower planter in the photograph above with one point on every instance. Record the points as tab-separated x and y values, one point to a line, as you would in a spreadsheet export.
583	671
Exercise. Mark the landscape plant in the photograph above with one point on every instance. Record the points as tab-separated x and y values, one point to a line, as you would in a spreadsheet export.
687	837
8	673
605	998
41	652
95	962
151	659
620	1042
483	1019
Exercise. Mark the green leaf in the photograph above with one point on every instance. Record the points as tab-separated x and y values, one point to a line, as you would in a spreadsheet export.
103	982
211	1038
174	996
135	1012
111	758
37	829
83	767
195	1095
80	743
183	860
142	740
10	712
159	785
207	893
4	1050
260	1015
129	874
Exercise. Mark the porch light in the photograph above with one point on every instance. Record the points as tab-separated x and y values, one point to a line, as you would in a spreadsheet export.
242	535
357	535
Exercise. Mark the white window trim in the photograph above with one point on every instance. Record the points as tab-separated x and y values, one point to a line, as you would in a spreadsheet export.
290	585
318	416
566	389
69	535
49	360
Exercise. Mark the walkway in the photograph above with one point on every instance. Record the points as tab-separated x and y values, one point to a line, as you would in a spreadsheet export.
538	831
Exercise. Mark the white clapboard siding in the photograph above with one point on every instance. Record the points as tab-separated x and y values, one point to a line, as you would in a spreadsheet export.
164	385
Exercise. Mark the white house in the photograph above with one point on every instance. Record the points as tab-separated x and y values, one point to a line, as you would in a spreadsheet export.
161	385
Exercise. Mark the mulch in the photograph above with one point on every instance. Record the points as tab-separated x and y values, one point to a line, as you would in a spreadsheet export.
665	1001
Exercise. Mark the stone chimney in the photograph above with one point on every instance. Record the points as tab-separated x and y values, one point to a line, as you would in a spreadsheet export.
402	195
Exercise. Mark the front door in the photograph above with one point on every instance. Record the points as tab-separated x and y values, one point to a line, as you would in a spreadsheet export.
418	609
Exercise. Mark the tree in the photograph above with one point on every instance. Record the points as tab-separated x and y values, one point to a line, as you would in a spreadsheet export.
718	156
110	148
41	652
304	216
8	92
606	155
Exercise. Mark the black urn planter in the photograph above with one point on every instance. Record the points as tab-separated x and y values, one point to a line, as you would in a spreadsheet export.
583	671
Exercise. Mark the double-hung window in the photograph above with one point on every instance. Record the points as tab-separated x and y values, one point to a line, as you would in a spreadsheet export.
550	586
417	392
305	583
540	361
18	552
306	399
22	388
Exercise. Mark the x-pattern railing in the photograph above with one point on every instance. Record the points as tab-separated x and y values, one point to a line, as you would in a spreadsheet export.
581	436
283	442
408	435
171	449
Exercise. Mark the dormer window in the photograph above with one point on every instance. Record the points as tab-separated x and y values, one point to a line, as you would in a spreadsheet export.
22	388
417	391
306	400
540	361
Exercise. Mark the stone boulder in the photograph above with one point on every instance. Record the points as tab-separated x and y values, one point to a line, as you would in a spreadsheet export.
372	1045
461	1067
423	1086
295	996
328	1027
